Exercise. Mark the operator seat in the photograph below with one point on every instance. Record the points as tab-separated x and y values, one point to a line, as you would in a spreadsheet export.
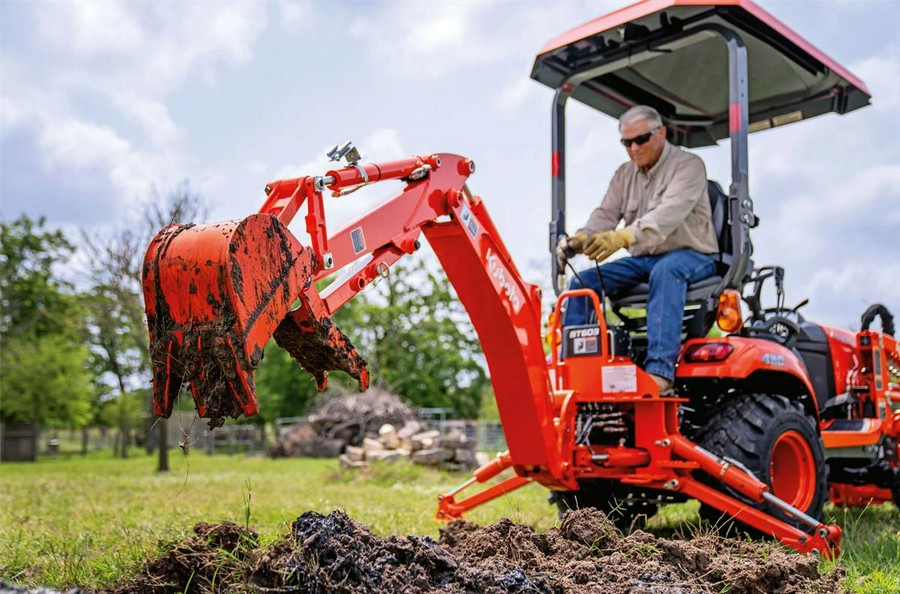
696	311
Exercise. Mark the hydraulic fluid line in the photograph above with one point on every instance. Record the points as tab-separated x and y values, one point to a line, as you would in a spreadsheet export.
766	495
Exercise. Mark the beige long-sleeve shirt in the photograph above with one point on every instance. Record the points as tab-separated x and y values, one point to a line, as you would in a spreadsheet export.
666	208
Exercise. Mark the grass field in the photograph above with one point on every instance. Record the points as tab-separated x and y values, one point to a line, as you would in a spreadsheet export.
91	521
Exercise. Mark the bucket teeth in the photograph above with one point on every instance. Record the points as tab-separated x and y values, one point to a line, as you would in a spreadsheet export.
215	294
320	347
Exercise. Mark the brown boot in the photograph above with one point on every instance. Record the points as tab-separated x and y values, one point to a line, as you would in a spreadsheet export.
664	385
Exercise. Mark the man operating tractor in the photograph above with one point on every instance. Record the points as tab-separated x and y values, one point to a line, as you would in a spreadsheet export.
660	194
775	413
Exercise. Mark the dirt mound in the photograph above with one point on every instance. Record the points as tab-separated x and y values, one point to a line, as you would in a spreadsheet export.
586	553
215	555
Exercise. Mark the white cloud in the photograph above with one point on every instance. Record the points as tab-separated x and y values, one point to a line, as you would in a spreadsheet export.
426	40
295	16
77	143
195	38
90	28
515	95
106	65
418	40
150	114
69	145
13	114
383	145
880	72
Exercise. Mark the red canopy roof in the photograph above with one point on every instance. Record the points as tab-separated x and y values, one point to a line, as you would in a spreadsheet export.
687	80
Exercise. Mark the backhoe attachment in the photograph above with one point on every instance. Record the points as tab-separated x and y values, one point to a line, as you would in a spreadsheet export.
215	294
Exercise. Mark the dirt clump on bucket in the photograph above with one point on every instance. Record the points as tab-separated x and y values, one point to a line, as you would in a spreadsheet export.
585	553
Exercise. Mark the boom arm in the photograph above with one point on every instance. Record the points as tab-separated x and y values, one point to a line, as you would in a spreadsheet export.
257	296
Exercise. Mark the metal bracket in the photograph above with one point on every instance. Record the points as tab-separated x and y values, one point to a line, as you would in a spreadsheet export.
350	153
346	151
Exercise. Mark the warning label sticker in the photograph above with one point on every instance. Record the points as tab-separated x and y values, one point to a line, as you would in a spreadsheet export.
620	378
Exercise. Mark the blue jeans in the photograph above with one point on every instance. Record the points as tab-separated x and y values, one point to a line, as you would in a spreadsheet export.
669	276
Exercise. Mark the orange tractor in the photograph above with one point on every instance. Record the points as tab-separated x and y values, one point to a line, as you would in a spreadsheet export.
770	419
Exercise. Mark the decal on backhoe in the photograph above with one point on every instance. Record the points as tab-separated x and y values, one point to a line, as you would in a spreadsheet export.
619	378
501	277
585	341
584	346
359	241
465	215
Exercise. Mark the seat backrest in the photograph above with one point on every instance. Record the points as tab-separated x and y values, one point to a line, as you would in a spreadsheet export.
718	203
698	321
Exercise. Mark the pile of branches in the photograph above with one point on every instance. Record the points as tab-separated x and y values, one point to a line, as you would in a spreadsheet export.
339	421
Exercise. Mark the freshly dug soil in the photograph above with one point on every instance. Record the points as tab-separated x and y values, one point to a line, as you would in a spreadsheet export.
586	553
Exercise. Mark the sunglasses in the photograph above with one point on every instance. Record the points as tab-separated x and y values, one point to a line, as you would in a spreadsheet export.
639	140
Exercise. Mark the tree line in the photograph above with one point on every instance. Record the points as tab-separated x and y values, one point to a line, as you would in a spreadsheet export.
75	354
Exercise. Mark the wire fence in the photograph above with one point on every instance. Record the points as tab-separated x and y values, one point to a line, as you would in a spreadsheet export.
30	442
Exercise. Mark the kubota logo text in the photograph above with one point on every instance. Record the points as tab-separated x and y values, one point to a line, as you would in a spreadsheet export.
501	279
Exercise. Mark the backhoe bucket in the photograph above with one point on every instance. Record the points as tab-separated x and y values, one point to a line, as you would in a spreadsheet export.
215	294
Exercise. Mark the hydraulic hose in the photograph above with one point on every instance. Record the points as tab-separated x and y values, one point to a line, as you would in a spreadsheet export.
887	320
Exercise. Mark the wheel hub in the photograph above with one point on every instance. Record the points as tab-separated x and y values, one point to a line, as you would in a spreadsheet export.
792	470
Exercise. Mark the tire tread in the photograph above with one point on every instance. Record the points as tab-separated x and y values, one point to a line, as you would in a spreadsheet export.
739	429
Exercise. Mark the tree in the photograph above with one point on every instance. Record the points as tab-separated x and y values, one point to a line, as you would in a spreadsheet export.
45	380
116	355
119	335
283	388
420	342
44	375
415	335
34	300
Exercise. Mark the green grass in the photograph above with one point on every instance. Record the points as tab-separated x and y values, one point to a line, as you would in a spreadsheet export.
91	521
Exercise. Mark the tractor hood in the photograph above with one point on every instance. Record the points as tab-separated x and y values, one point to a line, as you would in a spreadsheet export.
645	54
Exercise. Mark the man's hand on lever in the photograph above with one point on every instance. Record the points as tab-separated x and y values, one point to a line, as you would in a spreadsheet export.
567	247
604	244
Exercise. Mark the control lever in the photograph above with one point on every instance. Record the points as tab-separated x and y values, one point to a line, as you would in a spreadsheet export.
779	288
561	274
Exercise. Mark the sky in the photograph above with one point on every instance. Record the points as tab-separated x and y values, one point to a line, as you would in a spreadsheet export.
104	105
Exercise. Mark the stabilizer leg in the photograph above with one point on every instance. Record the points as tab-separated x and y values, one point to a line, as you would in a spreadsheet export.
449	508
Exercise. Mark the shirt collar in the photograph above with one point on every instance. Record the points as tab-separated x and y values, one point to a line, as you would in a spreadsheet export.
666	152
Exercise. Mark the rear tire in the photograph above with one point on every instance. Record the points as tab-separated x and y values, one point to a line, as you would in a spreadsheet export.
777	441
624	507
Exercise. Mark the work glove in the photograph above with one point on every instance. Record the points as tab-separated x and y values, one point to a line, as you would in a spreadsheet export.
566	246
604	244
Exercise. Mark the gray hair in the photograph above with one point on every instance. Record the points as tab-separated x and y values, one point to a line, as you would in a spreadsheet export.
640	113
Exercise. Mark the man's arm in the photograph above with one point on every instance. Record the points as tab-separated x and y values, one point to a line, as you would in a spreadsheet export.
687	187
